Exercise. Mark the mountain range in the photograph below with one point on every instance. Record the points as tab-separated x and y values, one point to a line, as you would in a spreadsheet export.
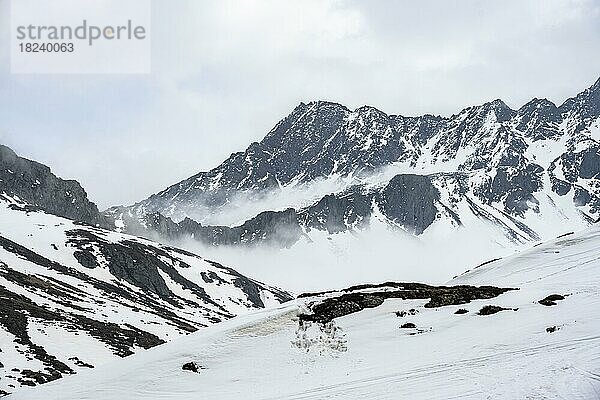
327	168
81	288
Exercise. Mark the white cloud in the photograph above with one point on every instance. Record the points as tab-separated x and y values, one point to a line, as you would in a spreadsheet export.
224	72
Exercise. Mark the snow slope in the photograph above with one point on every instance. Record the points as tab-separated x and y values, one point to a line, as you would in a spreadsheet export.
507	355
73	296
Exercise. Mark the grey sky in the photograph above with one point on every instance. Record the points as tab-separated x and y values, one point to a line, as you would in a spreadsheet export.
224	72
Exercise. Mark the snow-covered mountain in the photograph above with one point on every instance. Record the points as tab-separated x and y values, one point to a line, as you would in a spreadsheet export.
74	296
328	168
390	341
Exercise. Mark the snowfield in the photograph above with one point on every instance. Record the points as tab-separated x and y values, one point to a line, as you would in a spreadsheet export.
528	351
73	296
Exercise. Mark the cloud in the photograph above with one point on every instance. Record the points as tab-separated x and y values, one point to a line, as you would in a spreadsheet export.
225	72
377	254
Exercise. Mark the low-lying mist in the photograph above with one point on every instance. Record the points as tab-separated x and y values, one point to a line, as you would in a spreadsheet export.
245	205
377	254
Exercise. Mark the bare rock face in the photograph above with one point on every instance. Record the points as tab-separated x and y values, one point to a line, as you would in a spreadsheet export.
338	212
409	200
36	185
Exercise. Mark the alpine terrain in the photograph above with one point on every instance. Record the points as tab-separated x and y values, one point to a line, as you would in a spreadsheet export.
524	327
74	296
392	199
514	176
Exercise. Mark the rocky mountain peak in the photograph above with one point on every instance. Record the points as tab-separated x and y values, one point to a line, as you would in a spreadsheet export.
488	150
580	111
500	110
539	119
34	184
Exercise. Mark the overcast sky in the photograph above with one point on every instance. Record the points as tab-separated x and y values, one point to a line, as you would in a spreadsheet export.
224	72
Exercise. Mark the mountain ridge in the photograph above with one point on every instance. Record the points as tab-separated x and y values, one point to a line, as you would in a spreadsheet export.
501	149
75	295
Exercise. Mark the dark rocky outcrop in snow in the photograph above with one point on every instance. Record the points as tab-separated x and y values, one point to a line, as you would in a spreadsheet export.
489	310
337	212
353	299
551	299
577	171
403	313
408	325
16	310
192	367
278	228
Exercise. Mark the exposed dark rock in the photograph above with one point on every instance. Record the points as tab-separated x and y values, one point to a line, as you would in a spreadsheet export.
404	313
408	325
551	299
138	264
581	197
577	167
538	119
86	258
348	303
487	262
278	228
108	288
192	366
120	339
551	329
590	165
252	288
489	310
514	186
461	311
560	187
351	301
409	200
565	234
36	185
338	212
80	363
585	107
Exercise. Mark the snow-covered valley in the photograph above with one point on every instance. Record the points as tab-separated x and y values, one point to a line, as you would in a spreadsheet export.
120	304
527	351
